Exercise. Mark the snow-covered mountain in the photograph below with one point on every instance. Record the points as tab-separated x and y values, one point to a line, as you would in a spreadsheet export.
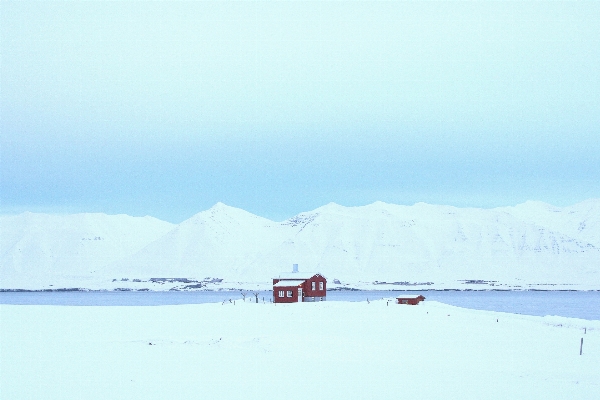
383	242
221	241
40	249
426	242
529	243
580	221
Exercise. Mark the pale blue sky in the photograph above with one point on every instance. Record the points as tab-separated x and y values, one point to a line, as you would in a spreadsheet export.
165	108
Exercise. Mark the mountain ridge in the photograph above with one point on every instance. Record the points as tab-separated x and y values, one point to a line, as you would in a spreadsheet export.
533	242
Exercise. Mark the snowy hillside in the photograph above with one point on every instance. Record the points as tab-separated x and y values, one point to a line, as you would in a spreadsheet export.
41	249
221	241
580	221
379	242
528	246
426	242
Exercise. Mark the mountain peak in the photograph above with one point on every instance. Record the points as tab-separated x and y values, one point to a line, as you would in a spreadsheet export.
222	211
330	207
224	208
219	206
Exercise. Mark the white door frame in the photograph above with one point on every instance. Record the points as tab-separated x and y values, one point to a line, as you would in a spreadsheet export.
299	295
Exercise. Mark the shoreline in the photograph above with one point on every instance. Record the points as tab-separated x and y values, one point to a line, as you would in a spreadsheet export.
121	290
569	304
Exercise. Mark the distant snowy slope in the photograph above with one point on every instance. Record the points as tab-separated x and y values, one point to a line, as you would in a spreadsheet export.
375	242
529	243
429	242
221	241
34	247
580	221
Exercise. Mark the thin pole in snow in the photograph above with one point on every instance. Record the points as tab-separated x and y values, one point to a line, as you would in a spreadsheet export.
581	347
584	331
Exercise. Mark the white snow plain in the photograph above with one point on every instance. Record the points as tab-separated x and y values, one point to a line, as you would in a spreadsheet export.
333	350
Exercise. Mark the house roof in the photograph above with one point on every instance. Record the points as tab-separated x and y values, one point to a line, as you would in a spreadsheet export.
297	275
289	283
409	296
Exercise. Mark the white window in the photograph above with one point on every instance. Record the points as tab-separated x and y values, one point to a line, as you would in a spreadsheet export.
281	293
314	285
320	285
289	293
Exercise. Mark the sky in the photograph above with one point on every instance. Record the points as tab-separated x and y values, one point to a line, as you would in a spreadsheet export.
166	108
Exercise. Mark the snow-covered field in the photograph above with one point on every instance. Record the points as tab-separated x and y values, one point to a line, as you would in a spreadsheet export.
334	350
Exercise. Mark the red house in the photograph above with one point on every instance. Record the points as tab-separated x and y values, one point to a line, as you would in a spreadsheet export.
409	299
297	287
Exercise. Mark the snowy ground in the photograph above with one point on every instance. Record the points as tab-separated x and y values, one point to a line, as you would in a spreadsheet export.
193	284
332	350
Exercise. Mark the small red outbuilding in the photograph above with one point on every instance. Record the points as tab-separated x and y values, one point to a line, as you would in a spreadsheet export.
409	299
298	287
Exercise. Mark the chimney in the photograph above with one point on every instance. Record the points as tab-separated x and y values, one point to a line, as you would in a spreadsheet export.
295	268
